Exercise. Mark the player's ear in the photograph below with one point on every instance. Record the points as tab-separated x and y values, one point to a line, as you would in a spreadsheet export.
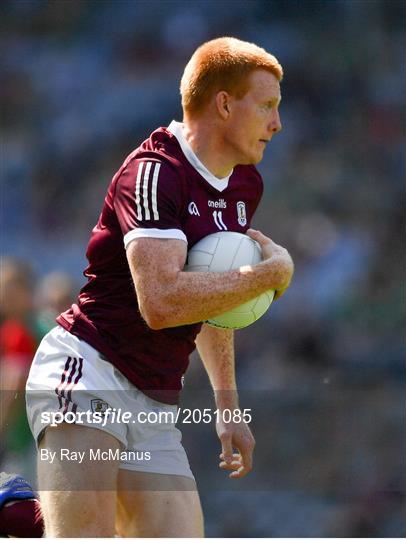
223	104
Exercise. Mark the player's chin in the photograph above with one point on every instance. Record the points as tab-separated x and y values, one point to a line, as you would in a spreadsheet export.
257	158
252	158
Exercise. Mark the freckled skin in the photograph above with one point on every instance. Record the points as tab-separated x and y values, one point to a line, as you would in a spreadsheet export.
221	341
232	132
168	296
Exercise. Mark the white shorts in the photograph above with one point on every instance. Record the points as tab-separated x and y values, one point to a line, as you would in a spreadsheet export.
70	381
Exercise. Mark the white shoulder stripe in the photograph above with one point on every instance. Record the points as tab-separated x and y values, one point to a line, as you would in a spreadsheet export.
154	191
137	191
142	199
145	190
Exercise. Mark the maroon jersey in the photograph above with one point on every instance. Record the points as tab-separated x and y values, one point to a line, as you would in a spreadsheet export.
162	190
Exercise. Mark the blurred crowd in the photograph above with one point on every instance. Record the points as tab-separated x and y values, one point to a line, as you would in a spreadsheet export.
28	307
84	82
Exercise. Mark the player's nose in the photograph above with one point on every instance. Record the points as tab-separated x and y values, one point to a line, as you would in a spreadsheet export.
275	124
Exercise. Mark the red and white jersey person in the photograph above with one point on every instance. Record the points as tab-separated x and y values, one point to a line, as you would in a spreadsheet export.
162	190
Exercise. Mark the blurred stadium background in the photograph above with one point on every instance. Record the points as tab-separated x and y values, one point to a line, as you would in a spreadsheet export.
83	83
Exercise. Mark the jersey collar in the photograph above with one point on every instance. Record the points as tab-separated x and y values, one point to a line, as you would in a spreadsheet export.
176	128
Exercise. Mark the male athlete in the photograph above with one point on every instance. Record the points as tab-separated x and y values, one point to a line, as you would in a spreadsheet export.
125	343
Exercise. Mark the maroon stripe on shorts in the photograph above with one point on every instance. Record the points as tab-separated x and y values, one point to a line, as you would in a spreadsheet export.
68	382
78	377
76	380
58	390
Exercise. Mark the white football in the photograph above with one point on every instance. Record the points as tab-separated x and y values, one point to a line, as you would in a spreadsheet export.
223	251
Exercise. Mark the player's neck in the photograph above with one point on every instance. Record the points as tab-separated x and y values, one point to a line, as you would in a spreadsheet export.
201	139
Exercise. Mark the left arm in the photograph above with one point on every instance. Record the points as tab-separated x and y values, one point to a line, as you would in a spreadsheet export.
216	349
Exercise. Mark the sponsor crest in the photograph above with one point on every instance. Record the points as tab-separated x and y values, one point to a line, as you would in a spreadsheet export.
241	213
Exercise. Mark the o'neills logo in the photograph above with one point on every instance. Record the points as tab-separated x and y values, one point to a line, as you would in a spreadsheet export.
221	203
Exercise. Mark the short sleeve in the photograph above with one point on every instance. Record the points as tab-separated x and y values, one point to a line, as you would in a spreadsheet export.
148	200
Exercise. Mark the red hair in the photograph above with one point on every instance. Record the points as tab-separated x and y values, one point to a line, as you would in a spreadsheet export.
222	64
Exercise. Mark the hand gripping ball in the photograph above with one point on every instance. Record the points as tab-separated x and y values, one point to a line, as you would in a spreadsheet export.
223	251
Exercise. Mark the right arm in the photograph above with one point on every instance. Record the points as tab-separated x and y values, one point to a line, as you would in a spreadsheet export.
168	296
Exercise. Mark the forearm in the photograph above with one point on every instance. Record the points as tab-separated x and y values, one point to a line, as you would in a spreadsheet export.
168	296
198	296
216	349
